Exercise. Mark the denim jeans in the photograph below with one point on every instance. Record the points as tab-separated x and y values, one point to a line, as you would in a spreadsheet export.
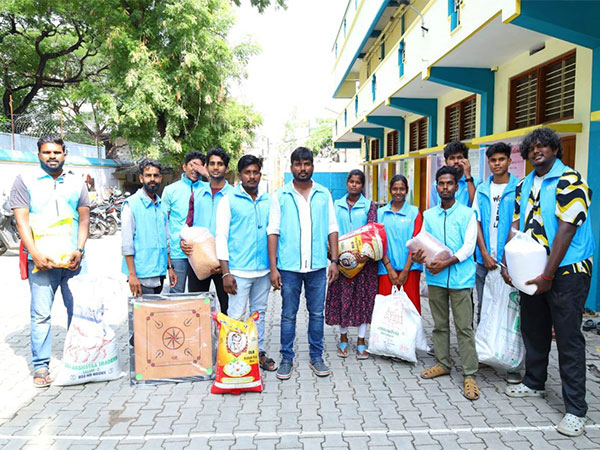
256	291
43	286
184	273
315	284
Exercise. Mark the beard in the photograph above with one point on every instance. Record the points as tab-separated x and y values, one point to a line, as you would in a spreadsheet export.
151	188
49	169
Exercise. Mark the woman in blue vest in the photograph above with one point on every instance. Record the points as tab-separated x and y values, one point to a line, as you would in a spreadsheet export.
402	221
350	301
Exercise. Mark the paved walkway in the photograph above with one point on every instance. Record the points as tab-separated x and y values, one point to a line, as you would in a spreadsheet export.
374	403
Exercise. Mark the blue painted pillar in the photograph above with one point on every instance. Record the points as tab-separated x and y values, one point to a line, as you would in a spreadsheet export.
393	122
594	181
375	133
422	106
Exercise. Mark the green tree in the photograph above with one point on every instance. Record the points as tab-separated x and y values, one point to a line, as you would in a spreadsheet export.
320	139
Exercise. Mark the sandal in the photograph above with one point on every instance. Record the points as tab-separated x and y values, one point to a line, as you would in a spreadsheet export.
587	312
571	425
268	364
588	325
361	352
342	349
44	375
435	371
521	390
471	389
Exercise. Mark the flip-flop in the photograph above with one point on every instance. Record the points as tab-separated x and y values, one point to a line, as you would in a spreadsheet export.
44	375
342	349
589	324
361	352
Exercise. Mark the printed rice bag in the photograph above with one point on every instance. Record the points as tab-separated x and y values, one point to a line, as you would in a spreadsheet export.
369	240
237	356
91	351
432	248
204	255
52	237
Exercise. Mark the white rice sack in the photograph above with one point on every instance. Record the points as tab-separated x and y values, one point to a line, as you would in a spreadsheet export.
525	259
203	258
91	350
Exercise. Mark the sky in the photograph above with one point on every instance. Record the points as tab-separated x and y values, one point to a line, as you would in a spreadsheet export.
293	69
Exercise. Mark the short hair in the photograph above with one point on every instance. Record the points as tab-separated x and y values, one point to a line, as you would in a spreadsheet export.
302	154
51	140
455	147
149	162
396	178
498	147
195	154
248	160
356	173
218	151
446	170
544	137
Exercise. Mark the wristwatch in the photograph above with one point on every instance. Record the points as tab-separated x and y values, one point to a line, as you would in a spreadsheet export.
335	261
469	180
81	250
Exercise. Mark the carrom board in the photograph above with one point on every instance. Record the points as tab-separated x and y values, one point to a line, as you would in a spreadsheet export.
172	339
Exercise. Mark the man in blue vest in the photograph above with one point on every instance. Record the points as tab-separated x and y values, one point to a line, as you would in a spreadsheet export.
552	205
451	279
205	214
178	201
456	155
145	235
301	224
242	219
50	194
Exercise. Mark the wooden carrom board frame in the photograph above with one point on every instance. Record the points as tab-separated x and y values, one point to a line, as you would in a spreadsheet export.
172	339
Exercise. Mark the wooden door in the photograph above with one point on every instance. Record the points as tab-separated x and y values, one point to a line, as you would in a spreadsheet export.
568	145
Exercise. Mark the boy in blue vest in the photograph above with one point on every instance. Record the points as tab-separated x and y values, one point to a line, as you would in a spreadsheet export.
301	224
48	192
456	155
205	214
178	201
552	205
242	219
451	280
145	235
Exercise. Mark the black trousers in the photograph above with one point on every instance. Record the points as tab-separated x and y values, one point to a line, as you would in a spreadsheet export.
562	307
195	285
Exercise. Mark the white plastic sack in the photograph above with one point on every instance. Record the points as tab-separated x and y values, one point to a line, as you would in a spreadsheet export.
396	327
204	254
432	248
525	259
498	339
91	351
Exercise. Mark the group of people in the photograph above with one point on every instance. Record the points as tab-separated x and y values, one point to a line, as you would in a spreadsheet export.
289	241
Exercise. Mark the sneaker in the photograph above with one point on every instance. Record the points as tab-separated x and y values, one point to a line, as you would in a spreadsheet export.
285	370
520	390
320	368
430	350
571	425
513	377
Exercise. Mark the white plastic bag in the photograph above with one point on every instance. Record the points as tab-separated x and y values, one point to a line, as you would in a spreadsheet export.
396	327
432	248
91	351
525	259
498	339
204	254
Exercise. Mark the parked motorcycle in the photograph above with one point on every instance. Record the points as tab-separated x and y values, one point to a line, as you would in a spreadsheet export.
9	236
98	223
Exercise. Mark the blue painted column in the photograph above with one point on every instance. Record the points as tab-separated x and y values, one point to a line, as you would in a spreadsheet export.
422	106
393	122
375	133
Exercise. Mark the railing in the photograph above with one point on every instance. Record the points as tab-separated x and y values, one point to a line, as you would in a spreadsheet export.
29	143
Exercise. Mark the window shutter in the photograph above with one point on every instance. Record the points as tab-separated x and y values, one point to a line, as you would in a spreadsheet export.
525	99
469	118
414	137
559	89
453	123
423	133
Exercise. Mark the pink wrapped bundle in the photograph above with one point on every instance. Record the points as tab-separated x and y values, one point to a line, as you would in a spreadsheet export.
204	255
432	248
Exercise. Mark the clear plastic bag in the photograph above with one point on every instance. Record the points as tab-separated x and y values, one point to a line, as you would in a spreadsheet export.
204	255
174	337
525	259
432	248
52	238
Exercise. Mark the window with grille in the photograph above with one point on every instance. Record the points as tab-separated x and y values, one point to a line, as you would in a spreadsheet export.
543	94
461	120
374	148
418	134
392	143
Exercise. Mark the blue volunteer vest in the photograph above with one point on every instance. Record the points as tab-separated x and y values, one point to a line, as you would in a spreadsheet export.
289	256
462	195
582	246
449	227
58	197
399	228
247	242
149	237
205	206
351	219
176	201
506	210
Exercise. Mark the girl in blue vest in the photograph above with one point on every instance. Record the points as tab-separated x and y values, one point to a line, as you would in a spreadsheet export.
350	301
402	221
